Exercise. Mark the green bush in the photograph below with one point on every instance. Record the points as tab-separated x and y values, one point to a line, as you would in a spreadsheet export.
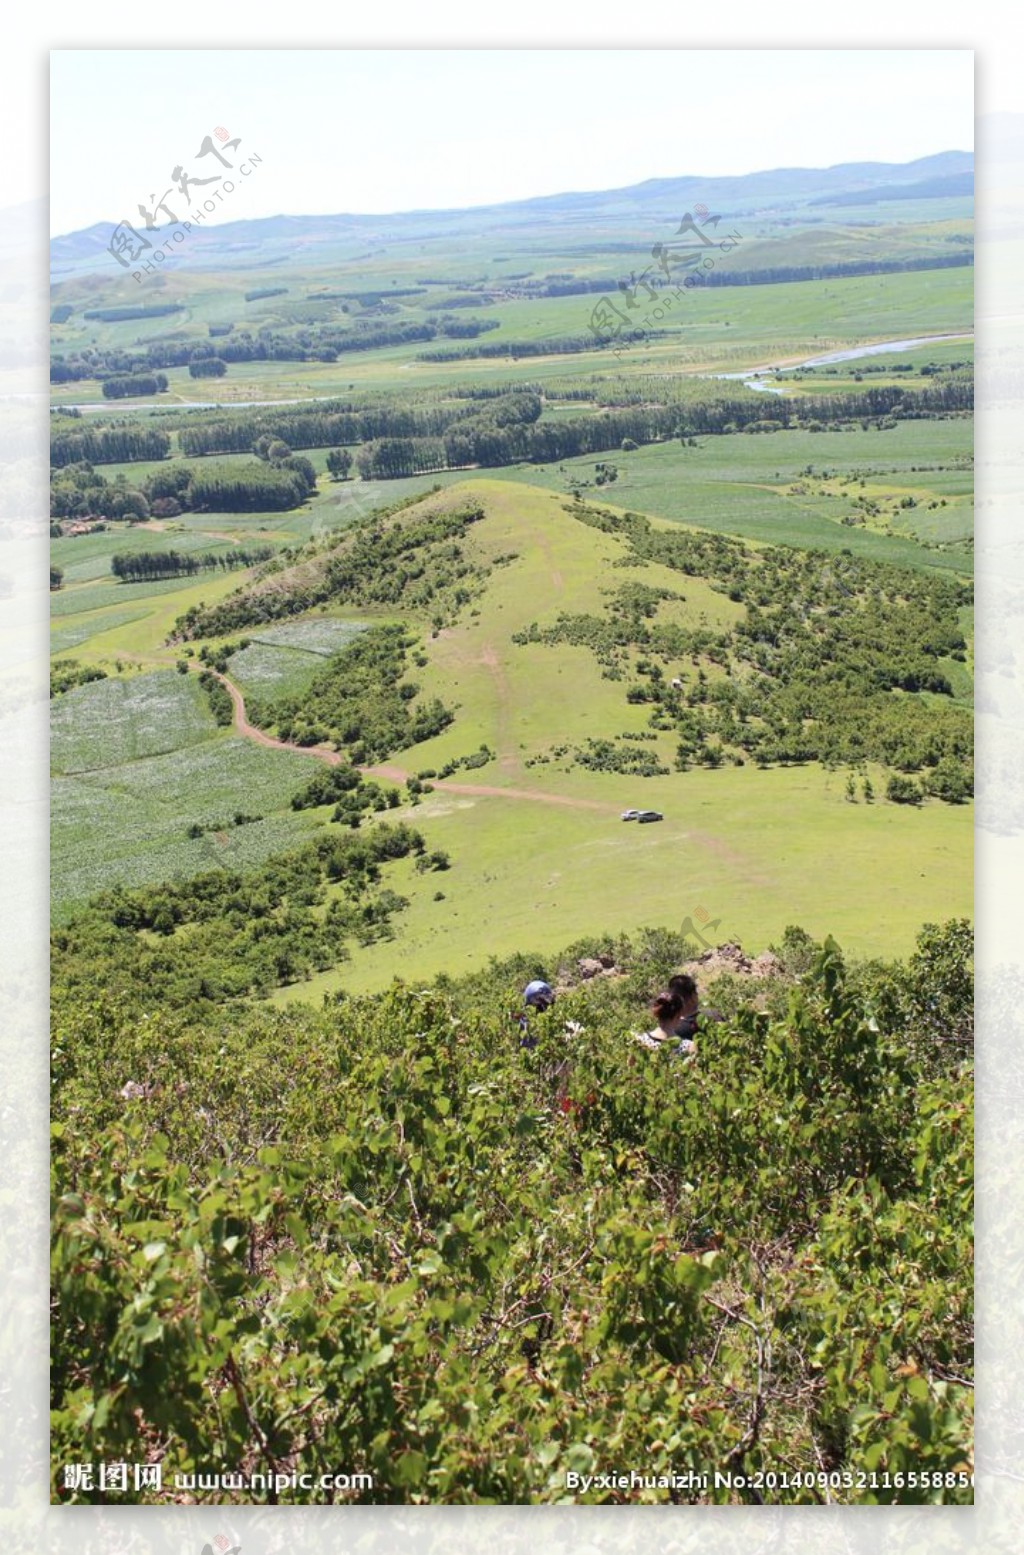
387	1236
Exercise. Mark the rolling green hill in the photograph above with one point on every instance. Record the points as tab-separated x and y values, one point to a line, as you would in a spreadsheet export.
532	830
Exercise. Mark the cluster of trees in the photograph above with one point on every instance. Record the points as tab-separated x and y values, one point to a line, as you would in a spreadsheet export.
418	565
258	487
79	491
142	566
388	458
207	367
145	310
313	428
218	699
263	485
352	795
465	329
818	669
247	932
109	445
276	480
554	345
359	701
135	385
464	1268
66	674
618	756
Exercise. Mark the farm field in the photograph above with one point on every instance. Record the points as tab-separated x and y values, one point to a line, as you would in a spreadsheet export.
719	329
282	660
744	486
128	823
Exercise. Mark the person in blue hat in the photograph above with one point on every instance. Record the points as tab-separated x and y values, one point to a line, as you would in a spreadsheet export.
537	995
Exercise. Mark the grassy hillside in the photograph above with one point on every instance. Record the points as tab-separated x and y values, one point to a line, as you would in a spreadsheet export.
538	852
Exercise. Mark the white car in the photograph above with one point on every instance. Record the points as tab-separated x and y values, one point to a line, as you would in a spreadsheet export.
630	815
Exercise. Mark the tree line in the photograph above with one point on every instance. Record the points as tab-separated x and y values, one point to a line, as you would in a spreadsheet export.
263	485
142	566
325	343
135	385
112	445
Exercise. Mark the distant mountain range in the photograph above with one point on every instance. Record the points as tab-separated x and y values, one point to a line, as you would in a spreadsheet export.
648	205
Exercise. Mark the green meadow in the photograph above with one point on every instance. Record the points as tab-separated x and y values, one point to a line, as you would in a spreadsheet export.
545	859
743	853
756	849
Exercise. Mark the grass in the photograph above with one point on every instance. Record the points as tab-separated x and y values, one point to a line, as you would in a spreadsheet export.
755	850
83	628
127	824
282	660
109	722
98	594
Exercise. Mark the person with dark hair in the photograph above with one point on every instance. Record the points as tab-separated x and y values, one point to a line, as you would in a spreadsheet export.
684	985
669	1010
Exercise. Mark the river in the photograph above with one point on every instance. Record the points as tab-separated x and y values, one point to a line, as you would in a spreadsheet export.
751	376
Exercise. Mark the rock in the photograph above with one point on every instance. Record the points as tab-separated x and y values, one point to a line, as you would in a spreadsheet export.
589	966
766	965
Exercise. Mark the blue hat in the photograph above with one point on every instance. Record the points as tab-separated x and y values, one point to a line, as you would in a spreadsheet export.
539	993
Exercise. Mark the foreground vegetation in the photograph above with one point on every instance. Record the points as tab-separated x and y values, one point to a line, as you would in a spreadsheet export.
388	1236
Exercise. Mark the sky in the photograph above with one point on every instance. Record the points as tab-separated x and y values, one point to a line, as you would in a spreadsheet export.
376	131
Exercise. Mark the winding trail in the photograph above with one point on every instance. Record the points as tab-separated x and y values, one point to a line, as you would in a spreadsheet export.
744	866
395	774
